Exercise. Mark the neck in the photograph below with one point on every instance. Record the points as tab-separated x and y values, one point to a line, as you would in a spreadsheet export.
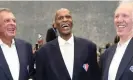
66	37
123	39
7	41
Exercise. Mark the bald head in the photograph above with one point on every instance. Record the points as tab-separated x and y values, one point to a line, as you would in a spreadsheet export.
60	11
64	22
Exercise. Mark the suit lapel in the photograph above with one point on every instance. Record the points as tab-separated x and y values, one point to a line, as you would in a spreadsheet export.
4	65
77	58
125	60
20	52
57	62
109	59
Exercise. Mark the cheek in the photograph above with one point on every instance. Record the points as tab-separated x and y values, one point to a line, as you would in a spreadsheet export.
71	21
15	28
128	29
59	29
130	25
2	29
57	24
115	22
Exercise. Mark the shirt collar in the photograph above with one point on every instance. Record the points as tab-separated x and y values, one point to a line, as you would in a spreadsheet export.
63	42
1	42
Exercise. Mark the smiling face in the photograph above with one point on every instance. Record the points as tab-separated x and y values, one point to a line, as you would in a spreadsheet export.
7	24
123	20
63	22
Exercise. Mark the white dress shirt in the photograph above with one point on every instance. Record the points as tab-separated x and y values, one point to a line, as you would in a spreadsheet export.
11	56
120	50
67	51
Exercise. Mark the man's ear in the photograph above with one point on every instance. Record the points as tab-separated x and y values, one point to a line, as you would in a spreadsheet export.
54	25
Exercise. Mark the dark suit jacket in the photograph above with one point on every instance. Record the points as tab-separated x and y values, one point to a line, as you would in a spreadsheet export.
51	34
124	71
24	51
50	64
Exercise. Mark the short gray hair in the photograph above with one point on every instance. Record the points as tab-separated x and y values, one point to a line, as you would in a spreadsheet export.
5	9
125	1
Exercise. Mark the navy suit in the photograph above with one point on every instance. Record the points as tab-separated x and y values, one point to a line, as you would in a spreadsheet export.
125	69
24	51
50	64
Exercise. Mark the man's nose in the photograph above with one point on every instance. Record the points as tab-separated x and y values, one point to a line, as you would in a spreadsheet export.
120	19
65	19
12	22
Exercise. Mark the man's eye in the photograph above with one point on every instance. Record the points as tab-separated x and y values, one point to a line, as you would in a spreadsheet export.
14	20
7	20
116	16
60	18
68	16
124	15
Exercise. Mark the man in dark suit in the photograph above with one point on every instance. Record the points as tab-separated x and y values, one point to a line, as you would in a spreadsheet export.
51	33
117	61
67	57
15	54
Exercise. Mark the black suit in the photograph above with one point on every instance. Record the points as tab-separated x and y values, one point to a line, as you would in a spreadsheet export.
124	72
24	51
50	64
51	34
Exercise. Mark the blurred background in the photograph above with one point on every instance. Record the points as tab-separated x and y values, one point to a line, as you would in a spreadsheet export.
93	20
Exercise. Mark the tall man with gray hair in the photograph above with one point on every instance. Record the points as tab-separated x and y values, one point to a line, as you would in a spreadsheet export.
117	61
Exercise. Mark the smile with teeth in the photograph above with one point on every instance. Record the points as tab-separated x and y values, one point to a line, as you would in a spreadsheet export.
121	26
11	29
64	25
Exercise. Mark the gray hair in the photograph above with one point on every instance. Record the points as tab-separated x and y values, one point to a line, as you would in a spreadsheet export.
5	9
125	1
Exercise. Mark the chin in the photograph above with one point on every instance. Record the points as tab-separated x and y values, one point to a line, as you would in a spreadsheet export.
120	35
12	36
67	33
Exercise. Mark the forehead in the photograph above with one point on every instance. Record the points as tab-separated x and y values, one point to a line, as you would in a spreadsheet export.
124	8
6	14
62	12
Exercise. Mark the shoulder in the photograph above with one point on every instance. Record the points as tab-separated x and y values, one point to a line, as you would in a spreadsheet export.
85	41
20	41
107	51
50	43
110	48
46	48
